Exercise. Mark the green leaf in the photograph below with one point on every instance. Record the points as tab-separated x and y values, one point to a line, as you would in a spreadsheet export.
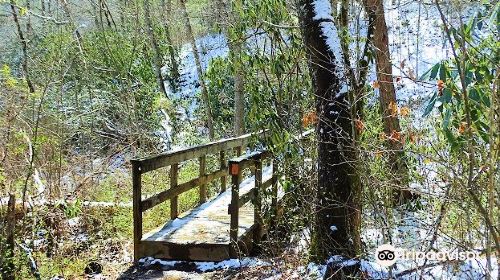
443	71
474	95
483	130
446	119
447	95
451	138
430	105
431	73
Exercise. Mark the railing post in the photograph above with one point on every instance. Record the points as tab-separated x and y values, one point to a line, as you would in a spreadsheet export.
137	211
274	195
223	166
174	201
203	187
234	170
258	202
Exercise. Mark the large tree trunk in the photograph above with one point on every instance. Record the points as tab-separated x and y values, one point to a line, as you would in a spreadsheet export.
204	92
157	61
337	226
229	17
387	93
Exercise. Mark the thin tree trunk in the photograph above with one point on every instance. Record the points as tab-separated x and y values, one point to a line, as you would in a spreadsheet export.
229	17
387	93
157	61
494	146
7	257
336	230
344	12
204	92
43	12
334	8
24	47
79	38
29	26
174	65
42	7
239	88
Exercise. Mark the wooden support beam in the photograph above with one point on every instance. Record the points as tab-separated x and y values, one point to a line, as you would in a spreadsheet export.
184	187
274	196
203	187
249	196
223	166
137	211
174	201
234	211
257	202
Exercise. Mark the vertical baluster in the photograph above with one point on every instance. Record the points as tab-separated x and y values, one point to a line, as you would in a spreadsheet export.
239	150
137	211
274	198
257	201
223	166
234	208
174	201
203	187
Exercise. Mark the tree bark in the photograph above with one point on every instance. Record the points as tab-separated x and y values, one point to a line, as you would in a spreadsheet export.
336	230
7	257
157	57
239	87
24	47
234	38
387	93
79	37
204	92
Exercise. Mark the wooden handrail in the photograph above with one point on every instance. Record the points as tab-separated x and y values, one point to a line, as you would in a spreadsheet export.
154	162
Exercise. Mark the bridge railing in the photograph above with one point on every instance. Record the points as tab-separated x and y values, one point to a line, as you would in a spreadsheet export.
237	166
174	159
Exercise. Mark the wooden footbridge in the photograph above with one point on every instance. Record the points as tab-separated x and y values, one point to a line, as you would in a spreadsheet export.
228	225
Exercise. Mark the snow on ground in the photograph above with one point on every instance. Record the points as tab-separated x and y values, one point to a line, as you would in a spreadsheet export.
417	42
210	46
204	266
470	269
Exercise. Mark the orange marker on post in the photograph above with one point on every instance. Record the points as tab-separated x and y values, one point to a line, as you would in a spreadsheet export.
235	168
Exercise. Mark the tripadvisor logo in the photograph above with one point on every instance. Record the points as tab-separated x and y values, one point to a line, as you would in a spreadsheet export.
387	255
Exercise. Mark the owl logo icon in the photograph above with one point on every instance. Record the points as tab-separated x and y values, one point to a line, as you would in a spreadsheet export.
386	255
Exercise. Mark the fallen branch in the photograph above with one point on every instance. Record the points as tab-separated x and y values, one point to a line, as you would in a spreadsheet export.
423	267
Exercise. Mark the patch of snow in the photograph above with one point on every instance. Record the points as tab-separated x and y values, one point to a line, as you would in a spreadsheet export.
322	10
323	13
205	266
315	271
341	261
